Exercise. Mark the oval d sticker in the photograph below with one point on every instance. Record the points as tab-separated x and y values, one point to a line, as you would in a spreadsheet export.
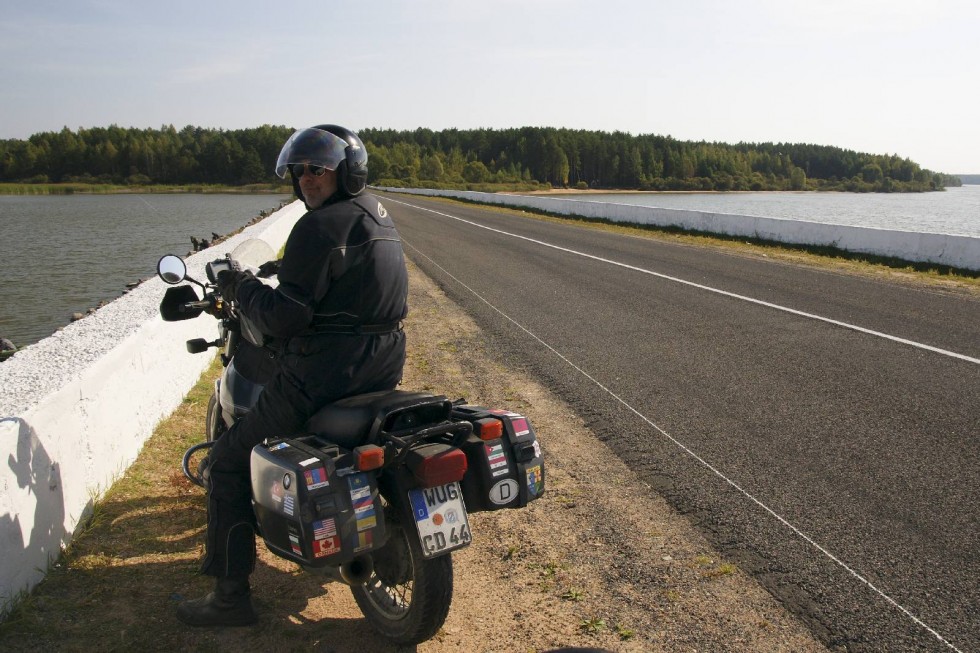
504	492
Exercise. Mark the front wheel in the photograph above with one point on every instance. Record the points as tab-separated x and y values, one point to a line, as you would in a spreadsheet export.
407	597
214	425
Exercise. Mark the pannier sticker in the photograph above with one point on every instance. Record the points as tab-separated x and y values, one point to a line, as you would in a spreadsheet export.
497	460
288	504
363	493
326	547
537	449
503	492
277	491
520	426
358	481
363	540
294	540
535	481
364	514
316	478
308	462
277	447
324	529
504	413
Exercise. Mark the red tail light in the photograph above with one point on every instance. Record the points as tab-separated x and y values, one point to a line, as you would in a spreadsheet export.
368	456
488	428
437	464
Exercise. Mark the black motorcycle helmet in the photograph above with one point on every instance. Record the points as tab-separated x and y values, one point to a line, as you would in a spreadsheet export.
332	147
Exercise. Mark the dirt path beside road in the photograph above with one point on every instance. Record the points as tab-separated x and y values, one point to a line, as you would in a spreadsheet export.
601	560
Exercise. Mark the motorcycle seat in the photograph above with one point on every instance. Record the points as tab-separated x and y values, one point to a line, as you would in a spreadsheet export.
358	420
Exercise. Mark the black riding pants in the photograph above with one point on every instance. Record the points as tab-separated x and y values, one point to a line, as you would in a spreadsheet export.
362	364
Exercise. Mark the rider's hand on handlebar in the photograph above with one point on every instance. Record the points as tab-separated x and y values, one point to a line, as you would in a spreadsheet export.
229	280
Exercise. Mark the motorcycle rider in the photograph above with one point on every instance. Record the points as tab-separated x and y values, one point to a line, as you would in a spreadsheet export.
334	324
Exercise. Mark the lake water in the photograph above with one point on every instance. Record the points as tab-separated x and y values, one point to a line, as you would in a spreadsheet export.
953	211
61	254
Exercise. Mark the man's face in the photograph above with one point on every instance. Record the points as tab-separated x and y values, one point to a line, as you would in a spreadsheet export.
315	189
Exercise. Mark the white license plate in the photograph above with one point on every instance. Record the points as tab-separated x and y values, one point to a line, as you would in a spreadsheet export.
441	519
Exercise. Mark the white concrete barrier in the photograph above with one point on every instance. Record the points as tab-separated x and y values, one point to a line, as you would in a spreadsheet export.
942	249
76	408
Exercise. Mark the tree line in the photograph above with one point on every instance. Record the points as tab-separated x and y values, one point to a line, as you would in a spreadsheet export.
454	158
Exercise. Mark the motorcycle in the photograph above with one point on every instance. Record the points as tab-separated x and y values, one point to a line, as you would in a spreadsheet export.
376	490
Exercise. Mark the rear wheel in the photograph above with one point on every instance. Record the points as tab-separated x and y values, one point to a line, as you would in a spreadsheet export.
407	597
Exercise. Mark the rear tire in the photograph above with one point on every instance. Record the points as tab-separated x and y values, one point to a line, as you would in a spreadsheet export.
407	598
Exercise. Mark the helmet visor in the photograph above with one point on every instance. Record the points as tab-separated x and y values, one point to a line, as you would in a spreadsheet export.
313	147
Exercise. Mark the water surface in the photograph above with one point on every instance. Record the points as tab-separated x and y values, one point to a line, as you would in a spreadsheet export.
63	254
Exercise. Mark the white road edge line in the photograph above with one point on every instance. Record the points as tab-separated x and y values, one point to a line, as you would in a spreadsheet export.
806	538
785	309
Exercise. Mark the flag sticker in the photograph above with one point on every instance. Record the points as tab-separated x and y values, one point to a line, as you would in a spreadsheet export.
535	481
325	547
316	478
520	426
324	529
363	541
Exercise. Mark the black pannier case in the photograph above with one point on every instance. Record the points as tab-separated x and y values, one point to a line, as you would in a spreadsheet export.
308	510
505	472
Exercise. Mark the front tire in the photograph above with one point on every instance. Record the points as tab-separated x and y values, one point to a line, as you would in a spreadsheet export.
214	425
407	597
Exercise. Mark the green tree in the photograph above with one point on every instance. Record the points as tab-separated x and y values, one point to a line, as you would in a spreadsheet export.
475	172
431	167
797	179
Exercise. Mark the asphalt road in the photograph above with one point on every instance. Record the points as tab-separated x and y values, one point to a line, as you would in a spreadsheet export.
822	429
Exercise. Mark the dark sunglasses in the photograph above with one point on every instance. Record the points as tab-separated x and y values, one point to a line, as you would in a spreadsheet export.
316	171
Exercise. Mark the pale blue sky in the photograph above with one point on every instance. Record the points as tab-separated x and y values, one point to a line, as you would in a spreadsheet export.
883	76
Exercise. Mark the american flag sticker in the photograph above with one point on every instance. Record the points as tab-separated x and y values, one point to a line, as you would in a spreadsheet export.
316	478
324	529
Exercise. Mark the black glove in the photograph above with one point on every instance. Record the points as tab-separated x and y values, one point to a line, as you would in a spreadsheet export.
228	282
269	268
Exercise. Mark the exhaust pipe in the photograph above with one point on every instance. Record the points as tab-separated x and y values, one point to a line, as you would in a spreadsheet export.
356	572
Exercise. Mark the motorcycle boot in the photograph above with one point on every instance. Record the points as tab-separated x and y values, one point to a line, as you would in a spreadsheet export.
230	604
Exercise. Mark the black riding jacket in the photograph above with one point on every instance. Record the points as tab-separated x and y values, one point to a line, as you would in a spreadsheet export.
342	268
